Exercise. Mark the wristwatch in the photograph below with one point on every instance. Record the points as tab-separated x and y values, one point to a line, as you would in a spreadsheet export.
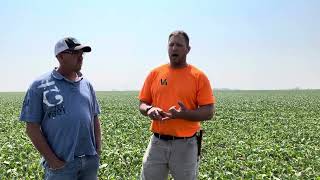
148	109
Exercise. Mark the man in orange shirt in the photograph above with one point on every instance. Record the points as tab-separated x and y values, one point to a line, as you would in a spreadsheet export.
176	97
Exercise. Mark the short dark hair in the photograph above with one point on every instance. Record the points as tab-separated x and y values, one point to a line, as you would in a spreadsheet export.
179	32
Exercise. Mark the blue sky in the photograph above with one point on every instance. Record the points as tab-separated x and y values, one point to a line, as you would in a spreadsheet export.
265	44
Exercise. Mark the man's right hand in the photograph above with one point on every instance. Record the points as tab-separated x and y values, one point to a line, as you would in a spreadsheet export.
156	113
34	132
56	164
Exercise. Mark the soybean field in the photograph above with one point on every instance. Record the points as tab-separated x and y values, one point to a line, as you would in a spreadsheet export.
254	135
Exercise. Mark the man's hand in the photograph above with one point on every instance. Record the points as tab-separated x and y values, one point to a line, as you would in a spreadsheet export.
34	132
156	113
176	113
202	113
56	164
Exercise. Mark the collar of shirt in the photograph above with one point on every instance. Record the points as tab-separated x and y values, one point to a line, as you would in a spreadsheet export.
58	76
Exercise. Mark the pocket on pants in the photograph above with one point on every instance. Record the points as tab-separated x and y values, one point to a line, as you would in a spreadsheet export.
192	141
60	168
97	160
46	166
155	140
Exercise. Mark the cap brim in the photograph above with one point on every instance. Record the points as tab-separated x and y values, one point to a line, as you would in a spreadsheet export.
83	48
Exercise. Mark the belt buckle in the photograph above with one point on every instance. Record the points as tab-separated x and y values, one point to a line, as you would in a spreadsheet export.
81	156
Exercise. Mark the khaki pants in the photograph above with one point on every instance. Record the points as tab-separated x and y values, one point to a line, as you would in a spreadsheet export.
177	156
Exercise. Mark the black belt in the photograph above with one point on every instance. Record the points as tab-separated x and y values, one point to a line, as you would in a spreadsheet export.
168	137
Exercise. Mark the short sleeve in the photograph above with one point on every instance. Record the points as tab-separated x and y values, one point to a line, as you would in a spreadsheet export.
145	93
96	106
205	92
32	110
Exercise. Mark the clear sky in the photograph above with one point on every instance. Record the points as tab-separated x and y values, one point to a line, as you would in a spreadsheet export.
244	44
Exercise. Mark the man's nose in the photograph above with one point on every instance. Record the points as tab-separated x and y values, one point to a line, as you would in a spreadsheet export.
174	47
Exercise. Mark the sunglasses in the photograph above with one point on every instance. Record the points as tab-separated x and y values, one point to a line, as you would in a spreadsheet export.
72	52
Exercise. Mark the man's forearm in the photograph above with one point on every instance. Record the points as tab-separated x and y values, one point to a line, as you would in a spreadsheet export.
40	143
201	114
97	134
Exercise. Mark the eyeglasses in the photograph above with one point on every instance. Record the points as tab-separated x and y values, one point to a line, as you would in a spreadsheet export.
73	52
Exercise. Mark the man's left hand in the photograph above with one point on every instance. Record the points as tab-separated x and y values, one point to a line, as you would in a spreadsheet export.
177	113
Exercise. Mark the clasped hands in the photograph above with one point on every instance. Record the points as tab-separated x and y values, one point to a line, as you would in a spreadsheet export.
156	113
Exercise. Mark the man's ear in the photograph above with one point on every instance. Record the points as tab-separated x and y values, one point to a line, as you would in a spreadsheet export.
59	57
189	48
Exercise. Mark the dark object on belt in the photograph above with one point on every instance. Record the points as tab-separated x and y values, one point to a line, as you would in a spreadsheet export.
199	142
168	137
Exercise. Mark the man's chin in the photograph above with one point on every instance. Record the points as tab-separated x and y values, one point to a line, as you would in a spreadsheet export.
175	61
77	69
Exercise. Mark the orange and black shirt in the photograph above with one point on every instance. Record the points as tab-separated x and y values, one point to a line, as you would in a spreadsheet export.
165	86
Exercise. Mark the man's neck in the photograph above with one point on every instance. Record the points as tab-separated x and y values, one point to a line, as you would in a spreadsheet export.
70	75
178	66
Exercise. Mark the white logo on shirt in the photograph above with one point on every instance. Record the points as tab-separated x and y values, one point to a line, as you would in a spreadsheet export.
54	89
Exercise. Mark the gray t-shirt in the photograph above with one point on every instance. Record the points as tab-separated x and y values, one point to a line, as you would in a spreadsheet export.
65	110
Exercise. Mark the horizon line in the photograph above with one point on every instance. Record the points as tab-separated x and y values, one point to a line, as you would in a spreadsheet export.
216	89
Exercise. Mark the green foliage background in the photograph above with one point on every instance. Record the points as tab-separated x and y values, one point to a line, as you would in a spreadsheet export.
254	135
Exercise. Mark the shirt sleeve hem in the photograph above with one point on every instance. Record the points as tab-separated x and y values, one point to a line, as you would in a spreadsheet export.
30	119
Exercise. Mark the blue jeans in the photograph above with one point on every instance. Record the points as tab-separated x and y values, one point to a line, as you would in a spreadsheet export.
81	168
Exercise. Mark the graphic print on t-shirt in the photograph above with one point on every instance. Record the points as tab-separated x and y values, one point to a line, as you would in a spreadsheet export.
53	99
